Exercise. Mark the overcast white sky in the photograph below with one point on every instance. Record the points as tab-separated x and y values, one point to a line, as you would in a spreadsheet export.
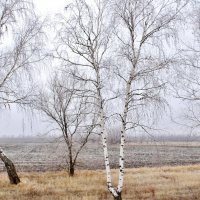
14	122
48	7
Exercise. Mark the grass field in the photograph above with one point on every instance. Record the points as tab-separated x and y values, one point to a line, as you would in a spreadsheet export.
164	183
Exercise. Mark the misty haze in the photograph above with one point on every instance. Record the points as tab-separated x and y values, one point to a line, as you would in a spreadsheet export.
100	99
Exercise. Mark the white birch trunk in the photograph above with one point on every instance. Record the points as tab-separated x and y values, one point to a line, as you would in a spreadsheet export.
104	138
106	157
122	144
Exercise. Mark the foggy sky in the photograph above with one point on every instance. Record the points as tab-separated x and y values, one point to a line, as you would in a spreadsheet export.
15	122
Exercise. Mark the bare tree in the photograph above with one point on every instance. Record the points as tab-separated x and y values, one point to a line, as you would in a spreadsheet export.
65	105
85	35
19	44
85	38
10	11
146	25
185	86
12	174
186	81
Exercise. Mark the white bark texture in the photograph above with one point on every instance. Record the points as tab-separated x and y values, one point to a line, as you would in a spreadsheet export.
88	36
106	157
104	134
123	131
143	22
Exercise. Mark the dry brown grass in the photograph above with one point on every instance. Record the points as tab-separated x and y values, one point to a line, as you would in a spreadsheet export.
165	183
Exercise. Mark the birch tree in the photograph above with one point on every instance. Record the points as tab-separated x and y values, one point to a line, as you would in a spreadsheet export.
144	27
65	105
85	41
19	43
